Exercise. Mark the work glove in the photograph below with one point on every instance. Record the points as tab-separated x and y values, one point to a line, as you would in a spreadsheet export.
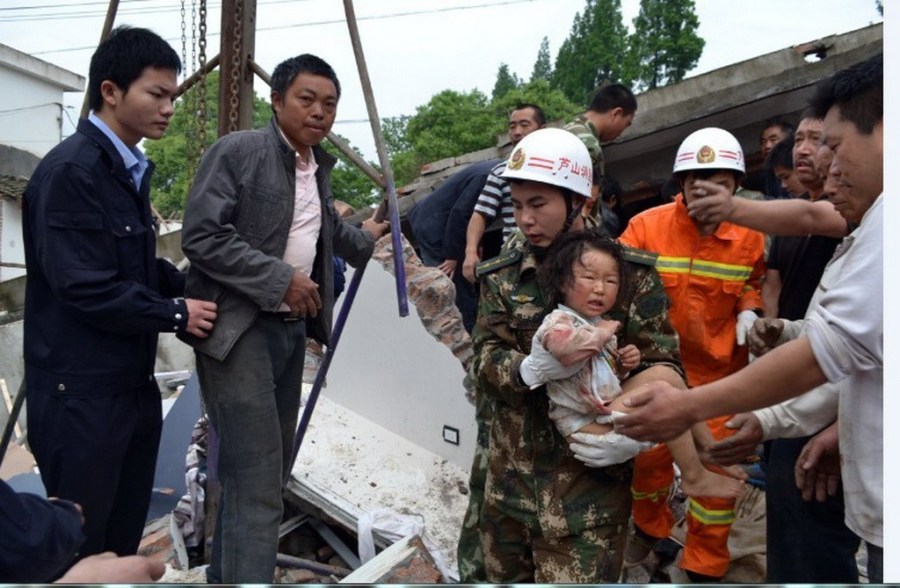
540	367
600	451
745	320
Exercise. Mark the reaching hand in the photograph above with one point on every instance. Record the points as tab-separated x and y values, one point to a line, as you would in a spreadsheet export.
628	358
302	296
818	468
738	447
109	568
472	259
712	205
763	336
540	367
448	267
375	228
201	316
658	413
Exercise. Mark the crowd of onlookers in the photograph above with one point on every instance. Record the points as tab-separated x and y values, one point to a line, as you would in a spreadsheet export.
738	321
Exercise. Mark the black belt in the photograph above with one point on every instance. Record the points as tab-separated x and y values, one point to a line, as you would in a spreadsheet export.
281	316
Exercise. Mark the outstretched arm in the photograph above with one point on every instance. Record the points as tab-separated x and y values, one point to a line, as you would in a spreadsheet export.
662	412
774	217
474	232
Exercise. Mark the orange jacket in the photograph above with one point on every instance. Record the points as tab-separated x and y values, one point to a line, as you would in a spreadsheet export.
709	281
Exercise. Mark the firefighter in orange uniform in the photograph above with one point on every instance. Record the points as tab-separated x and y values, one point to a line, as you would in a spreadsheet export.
712	274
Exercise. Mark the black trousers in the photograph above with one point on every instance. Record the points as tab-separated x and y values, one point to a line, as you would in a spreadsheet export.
806	542
99	451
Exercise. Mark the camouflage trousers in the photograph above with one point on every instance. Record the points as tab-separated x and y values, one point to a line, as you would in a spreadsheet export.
469	556
593	556
512	554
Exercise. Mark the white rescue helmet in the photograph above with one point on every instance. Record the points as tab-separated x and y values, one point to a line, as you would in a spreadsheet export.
552	156
709	148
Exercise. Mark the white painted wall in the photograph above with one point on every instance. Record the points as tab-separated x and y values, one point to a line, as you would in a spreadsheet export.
31	112
12	248
391	371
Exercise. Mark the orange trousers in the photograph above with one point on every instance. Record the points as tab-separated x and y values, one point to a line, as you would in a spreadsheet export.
708	519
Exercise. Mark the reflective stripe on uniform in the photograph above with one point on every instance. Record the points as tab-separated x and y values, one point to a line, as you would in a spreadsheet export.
635	495
709	269
708	516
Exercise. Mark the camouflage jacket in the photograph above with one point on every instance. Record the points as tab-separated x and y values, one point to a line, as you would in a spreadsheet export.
585	130
532	471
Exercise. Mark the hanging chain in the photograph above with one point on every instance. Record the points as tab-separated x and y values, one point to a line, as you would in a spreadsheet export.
194	35
183	37
187	100
236	66
201	100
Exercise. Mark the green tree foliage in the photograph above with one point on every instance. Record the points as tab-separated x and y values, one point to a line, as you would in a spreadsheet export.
405	164
665	44
506	81
348	183
173	153
552	101
592	53
542	68
451	123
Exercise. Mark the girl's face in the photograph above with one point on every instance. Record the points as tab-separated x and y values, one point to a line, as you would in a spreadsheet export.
596	284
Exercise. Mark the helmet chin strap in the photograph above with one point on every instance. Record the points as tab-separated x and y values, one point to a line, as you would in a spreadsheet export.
574	211
570	219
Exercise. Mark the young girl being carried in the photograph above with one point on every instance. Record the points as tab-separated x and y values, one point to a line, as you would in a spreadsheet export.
584	271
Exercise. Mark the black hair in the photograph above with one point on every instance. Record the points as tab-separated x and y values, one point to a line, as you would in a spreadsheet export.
858	93
611	189
612	96
786	127
287	71
782	154
123	56
539	117
596	173
556	271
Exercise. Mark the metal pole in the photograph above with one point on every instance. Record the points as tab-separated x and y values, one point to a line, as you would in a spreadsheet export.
349	295
399	269
195	77
235	78
107	26
13	419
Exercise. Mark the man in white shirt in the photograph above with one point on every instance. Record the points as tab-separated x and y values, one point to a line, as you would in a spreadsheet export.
843	342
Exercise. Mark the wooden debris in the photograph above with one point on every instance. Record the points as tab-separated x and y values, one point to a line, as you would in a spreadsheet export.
405	562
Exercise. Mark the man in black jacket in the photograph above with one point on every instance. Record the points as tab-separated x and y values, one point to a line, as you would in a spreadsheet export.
97	296
439	223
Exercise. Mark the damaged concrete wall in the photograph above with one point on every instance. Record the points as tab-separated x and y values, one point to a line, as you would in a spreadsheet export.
392	371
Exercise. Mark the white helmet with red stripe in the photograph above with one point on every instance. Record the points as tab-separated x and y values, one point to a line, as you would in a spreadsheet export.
552	156
709	148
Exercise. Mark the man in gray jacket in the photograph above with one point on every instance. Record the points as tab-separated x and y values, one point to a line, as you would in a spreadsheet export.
260	230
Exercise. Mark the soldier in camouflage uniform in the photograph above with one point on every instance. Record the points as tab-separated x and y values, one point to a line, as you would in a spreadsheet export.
611	111
546	516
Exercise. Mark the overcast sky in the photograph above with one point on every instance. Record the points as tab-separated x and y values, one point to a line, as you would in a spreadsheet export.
415	48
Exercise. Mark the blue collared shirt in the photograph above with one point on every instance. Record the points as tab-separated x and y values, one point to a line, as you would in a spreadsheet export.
135	161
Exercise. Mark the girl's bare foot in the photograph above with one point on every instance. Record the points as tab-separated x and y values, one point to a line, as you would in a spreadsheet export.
706	483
